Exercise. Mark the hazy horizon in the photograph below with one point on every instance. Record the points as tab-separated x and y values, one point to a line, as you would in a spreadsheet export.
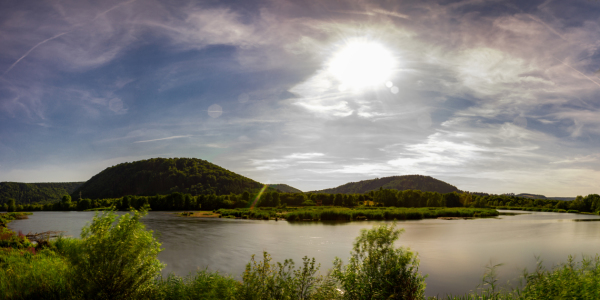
489	96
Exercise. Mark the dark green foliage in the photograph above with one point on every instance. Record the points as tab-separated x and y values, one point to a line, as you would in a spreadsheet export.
27	193
84	204
11	207
284	188
452	200
65	202
406	182
165	176
377	270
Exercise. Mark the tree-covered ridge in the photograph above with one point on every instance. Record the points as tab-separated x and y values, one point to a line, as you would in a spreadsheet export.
26	193
401	183
285	188
164	176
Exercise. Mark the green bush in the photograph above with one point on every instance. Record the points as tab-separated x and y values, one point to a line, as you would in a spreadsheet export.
377	270
114	261
202	285
266	280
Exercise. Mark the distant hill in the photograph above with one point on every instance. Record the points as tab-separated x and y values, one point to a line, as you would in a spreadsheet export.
285	188
36	192
534	196
406	182
163	176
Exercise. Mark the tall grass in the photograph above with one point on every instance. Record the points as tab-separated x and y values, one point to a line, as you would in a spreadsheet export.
570	280
25	275
202	285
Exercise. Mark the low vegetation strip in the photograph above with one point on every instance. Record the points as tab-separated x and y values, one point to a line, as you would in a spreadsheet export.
399	213
331	213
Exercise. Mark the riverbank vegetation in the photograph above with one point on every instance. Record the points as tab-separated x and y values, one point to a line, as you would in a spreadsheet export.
327	213
116	258
385	198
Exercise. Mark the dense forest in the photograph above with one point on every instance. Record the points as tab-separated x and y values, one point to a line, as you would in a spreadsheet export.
406	182
164	176
27	193
285	188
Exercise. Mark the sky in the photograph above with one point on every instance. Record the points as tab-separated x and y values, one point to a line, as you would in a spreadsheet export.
489	96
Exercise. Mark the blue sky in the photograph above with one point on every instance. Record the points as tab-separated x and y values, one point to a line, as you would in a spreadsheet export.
490	96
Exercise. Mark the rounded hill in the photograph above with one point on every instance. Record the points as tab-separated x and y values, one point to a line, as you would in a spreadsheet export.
164	176
405	182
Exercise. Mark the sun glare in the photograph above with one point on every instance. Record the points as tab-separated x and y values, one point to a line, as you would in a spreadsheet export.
361	64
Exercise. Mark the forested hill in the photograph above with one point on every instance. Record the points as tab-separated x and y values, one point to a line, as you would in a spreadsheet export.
406	182
35	192
285	188
164	176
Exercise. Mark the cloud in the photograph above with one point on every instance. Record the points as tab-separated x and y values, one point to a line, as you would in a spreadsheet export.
479	97
304	155
166	138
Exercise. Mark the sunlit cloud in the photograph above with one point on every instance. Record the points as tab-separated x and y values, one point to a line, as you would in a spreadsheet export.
304	155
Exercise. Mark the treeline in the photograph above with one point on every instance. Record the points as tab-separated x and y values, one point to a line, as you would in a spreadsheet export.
589	203
27	193
164	176
380	198
173	201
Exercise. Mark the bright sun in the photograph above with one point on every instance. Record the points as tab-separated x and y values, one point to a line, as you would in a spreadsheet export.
361	64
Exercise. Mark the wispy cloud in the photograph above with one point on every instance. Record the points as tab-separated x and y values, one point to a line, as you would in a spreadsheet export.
166	138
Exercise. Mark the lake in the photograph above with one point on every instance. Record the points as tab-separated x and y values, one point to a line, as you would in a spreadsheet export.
454	253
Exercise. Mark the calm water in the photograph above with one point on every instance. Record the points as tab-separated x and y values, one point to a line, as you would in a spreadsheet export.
453	253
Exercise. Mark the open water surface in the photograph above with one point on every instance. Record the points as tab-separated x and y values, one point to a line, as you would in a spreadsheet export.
454	253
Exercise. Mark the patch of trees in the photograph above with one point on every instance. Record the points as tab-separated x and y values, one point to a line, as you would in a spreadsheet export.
24	193
406	182
164	176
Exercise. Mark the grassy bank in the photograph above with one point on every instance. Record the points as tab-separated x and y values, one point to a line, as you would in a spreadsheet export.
330	213
388	213
537	209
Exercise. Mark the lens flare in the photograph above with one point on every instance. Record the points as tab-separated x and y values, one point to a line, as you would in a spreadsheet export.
258	197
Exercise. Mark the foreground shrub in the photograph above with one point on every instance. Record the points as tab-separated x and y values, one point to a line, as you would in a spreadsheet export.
571	280
377	270
202	285
266	280
114	261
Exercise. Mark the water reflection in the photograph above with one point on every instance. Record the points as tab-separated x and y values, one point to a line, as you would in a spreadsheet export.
453	252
